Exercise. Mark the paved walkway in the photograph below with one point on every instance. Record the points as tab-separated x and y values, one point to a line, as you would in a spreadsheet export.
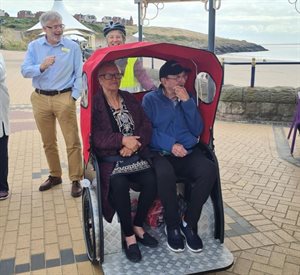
41	233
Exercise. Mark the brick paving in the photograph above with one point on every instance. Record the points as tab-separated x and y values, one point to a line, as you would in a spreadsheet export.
261	186
41	233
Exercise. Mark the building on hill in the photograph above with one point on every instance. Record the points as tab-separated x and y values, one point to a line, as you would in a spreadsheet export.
89	18
85	18
79	17
38	14
29	14
126	22
130	21
118	19
106	19
25	14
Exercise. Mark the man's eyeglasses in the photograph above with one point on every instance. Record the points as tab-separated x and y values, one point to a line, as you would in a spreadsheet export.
109	76
56	27
178	77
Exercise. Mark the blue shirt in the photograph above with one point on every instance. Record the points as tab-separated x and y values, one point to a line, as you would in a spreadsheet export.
66	71
172	123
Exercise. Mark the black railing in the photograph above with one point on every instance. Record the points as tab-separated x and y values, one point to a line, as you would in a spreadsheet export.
253	66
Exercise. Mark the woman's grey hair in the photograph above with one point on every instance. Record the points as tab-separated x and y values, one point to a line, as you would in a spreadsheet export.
106	64
49	16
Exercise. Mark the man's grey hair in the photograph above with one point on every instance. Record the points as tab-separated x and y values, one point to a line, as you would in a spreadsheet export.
49	16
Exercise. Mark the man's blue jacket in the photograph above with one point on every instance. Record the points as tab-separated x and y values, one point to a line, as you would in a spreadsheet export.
172	121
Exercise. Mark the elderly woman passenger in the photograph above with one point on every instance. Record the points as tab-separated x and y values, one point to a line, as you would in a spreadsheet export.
120	137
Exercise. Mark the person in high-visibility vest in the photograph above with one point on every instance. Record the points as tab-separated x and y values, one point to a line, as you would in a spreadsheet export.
135	77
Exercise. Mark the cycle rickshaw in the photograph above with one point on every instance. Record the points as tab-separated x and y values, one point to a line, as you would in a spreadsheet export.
104	240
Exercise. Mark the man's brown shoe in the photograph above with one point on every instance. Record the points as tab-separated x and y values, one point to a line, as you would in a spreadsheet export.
76	189
50	182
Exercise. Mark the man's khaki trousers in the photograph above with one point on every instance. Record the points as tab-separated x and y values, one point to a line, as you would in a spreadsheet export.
46	110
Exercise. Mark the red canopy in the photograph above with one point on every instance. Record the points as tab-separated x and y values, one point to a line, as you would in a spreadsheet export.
195	59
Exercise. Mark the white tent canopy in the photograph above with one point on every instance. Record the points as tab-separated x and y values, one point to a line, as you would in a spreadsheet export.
136	35
75	32
72	34
68	20
75	37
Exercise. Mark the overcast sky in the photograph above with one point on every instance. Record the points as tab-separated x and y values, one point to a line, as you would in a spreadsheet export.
259	21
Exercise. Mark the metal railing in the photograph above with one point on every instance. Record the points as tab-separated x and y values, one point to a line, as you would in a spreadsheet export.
253	66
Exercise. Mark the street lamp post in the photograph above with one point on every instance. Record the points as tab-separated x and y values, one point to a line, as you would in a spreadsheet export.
211	26
1	21
140	24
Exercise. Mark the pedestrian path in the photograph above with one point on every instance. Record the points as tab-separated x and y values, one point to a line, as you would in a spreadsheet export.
41	232
261	189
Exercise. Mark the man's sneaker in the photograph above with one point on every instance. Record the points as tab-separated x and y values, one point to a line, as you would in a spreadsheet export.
193	241
3	195
175	240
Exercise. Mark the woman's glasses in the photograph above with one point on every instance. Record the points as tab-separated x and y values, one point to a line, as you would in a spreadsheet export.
109	76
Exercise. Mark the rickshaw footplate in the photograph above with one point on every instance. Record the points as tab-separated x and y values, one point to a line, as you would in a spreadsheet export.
161	260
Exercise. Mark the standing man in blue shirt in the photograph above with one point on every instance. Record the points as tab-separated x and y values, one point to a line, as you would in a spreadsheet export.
55	65
177	126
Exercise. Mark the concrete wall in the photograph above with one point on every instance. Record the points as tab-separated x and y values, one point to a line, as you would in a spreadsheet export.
259	104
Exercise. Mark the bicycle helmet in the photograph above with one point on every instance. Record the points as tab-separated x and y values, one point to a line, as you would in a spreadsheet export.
111	26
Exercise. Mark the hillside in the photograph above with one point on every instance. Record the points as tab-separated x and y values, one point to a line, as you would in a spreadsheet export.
13	38
198	40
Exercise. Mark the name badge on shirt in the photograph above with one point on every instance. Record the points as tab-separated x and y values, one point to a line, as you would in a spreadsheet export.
65	50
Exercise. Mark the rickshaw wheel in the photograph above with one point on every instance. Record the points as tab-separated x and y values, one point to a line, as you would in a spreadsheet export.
91	224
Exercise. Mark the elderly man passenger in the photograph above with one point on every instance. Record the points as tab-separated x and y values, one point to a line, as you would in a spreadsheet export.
177	125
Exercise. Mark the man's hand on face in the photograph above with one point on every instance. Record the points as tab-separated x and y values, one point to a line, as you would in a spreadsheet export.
181	93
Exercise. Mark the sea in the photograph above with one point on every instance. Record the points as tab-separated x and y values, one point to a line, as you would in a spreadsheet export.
276	52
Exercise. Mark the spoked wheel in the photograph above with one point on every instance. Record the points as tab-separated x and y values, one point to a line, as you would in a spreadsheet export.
91	224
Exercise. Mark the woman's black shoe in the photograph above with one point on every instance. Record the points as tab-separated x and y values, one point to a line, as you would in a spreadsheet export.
133	252
147	240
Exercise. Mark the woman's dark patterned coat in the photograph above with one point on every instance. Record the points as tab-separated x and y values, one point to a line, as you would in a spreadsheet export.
107	142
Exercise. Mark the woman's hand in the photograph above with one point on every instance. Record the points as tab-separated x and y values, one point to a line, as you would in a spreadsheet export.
126	152
131	142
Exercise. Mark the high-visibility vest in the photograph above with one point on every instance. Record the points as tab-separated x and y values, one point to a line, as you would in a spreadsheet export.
129	82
